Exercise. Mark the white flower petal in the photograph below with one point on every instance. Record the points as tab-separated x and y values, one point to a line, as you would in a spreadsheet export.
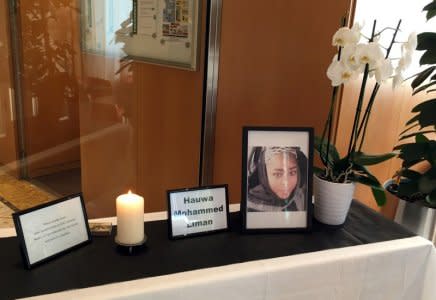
345	36
339	73
356	33
370	53
383	71
412	42
397	80
405	61
348	57
334	73
357	26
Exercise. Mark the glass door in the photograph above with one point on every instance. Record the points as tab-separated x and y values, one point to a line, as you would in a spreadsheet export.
49	44
8	124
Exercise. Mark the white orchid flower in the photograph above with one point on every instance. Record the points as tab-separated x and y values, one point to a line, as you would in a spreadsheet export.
339	73
345	36
356	30
348	57
358	26
405	61
383	71
410	45
370	53
397	80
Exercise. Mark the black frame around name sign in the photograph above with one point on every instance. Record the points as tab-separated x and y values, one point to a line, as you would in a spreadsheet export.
245	180
194	189
20	234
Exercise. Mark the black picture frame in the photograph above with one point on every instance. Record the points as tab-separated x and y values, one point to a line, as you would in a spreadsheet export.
171	231
21	233
262	206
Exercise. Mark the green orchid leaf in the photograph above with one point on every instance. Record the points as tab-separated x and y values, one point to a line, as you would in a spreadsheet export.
424	87
422	76
428	58
321	147
379	196
317	170
369	181
426	41
361	158
376	189
364	170
341	165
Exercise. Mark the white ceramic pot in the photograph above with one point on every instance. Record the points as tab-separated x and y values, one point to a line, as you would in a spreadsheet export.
332	200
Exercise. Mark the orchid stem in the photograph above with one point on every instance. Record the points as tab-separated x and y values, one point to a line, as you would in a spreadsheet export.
351	145
365	120
328	125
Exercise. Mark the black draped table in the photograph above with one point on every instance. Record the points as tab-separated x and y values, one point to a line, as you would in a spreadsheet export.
99	263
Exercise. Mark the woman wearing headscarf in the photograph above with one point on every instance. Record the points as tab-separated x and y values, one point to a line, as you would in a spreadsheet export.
277	179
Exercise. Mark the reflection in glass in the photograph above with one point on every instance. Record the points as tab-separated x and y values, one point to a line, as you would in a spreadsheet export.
101	22
94	120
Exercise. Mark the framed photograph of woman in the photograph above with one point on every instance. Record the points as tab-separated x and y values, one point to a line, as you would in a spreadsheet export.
277	178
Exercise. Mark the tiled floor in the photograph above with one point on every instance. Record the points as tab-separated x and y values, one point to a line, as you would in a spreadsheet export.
5	216
18	194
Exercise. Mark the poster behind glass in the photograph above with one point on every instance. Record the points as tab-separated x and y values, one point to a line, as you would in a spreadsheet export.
156	31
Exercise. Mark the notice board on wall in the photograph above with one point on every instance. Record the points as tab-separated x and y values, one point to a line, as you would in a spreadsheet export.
156	31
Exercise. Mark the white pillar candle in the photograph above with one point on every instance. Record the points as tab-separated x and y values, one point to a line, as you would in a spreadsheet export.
130	219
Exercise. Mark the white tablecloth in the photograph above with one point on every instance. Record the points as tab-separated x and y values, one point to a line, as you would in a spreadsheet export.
398	269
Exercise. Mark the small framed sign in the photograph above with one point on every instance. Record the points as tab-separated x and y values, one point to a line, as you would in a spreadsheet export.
197	211
52	229
276	178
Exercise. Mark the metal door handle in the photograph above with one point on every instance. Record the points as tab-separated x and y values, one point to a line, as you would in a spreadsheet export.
11	104
35	106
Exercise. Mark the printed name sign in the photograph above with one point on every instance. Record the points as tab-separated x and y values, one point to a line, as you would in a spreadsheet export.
51	229
197	211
